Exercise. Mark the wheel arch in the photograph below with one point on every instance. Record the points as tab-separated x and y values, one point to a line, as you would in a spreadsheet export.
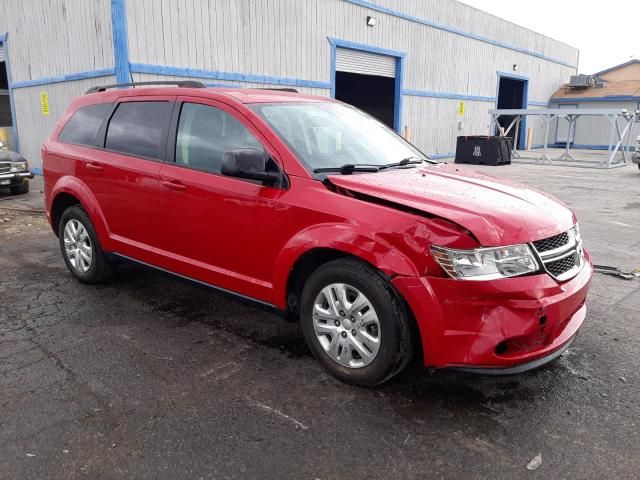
70	191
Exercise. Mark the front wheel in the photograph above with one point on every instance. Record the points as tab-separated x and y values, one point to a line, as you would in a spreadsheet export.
354	323
80	247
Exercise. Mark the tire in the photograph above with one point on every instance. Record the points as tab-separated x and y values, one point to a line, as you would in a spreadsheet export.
378	361
83	245
639	165
20	189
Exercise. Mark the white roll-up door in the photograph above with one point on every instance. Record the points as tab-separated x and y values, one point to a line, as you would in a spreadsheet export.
365	63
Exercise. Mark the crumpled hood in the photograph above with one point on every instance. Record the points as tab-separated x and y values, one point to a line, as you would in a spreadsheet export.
497	211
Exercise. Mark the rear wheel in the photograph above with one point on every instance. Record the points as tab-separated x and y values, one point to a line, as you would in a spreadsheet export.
20	189
80	247
354	323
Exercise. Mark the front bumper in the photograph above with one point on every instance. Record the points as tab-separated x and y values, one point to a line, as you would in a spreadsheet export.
13	179
499	324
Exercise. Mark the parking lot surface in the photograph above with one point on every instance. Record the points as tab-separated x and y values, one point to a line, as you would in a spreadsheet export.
152	377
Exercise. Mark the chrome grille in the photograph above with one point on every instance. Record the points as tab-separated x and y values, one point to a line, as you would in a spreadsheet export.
558	267
5	167
561	255
552	243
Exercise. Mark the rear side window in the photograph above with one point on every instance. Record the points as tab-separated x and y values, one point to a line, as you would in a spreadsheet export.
136	128
205	133
84	125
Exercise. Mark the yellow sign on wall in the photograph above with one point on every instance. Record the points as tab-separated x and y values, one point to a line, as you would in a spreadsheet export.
44	103
461	109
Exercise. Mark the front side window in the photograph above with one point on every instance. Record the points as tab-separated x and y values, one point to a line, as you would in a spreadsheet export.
205	133
136	128
328	135
83	126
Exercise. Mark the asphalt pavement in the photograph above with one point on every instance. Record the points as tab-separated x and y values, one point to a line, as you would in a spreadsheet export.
152	377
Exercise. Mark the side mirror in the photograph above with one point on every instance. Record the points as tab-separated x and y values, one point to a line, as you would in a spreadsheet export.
248	163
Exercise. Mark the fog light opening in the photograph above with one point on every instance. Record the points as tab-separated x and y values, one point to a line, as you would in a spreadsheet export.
501	348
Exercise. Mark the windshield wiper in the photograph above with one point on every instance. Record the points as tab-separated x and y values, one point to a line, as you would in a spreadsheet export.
349	168
402	163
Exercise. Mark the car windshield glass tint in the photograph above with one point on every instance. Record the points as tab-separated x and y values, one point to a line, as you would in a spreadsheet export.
136	128
330	135
84	124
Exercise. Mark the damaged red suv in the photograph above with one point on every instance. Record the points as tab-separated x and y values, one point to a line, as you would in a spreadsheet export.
312	208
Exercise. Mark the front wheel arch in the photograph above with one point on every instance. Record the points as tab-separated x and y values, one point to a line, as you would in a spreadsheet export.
313	259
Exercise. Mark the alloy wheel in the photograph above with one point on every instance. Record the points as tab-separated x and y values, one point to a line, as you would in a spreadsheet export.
77	245
346	325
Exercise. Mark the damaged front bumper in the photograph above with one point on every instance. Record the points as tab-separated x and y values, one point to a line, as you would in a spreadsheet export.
501	326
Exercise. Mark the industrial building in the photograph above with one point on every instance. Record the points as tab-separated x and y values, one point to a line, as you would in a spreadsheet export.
430	69
617	87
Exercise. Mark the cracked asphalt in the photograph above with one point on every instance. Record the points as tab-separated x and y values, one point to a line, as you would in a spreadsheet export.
152	377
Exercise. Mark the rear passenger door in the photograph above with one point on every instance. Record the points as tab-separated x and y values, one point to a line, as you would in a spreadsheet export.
214	225
123	172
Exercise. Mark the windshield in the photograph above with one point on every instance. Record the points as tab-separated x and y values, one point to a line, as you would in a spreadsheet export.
331	135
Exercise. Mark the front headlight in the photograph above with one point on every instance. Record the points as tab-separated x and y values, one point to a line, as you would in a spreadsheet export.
19	166
486	263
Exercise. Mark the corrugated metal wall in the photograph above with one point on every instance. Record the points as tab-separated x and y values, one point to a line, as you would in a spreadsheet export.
284	39
288	38
3	17
36	127
51	38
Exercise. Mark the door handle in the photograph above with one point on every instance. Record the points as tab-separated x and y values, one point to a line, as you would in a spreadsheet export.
173	185
94	166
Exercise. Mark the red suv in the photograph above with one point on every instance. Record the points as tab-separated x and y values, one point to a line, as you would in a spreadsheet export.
312	208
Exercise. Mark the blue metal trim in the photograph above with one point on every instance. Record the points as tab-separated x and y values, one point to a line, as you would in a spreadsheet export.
612	98
104	72
333	69
217	84
441	156
216	75
12	104
429	23
337	42
120	41
399	56
397	95
535	103
515	76
448	95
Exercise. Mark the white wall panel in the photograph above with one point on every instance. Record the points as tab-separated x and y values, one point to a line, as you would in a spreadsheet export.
57	37
289	38
36	127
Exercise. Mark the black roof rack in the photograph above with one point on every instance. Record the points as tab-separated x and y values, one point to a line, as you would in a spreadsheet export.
182	84
292	90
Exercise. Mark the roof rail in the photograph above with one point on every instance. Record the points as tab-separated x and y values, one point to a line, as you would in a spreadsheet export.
292	90
182	84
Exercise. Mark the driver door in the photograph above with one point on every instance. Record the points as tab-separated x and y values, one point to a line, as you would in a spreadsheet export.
214	225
